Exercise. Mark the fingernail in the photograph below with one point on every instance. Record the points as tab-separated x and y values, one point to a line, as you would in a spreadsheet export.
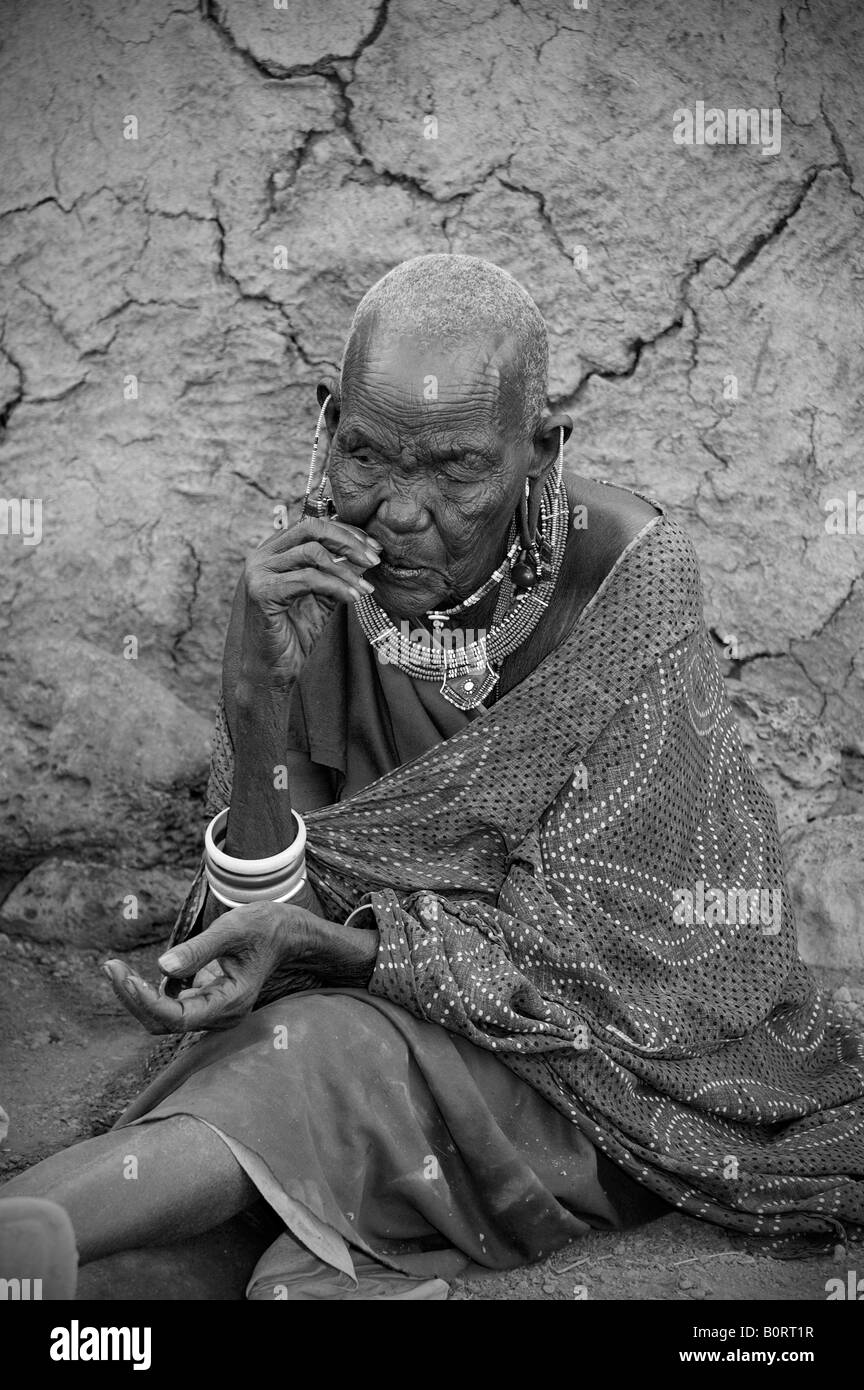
129	986
366	586
372	557
372	541
170	961
106	971
355	594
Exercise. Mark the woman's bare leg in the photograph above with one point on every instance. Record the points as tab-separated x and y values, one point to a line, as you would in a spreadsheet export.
148	1184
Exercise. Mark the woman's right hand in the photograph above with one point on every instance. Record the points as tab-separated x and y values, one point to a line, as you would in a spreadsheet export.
289	587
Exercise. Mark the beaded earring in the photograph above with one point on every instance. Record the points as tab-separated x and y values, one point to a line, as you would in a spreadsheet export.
533	561
318	500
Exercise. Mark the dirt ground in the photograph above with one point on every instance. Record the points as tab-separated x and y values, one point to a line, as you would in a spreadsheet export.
72	1057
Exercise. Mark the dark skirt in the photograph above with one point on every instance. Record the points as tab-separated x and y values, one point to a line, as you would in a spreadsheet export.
364	1126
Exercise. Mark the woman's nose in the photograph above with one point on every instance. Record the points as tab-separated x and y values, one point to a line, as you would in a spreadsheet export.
402	512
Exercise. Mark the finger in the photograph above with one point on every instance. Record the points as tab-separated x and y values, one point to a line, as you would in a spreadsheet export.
207	975
223	937
236	935
218	1005
343	539
312	552
126	987
316	553
327	529
315	581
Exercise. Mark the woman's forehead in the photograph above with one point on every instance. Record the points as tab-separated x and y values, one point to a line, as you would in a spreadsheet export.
414	381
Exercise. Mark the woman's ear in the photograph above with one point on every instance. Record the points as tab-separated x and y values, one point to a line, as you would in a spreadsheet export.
329	387
547	440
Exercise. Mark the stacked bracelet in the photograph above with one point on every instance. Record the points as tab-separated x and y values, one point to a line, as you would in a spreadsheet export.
238	881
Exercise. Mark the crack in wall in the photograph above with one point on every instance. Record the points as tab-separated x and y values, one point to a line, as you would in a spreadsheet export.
190	599
261	296
638	344
835	611
782	63
253	483
328	68
539	198
713	450
210	12
18	396
840	150
86	196
139	43
764	239
790	653
31	207
635	348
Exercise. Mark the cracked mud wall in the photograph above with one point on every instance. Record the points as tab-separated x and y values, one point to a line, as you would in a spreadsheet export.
308	128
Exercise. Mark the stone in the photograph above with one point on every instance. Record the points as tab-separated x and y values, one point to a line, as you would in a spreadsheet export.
97	755
825	873
97	906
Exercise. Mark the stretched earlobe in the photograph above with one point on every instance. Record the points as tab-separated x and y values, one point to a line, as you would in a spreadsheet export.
533	561
318	502
328	395
550	426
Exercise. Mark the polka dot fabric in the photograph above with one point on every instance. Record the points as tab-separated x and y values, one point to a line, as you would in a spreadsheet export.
524	875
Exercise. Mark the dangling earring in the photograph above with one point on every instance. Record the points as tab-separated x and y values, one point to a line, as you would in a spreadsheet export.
317	502
532	563
524	570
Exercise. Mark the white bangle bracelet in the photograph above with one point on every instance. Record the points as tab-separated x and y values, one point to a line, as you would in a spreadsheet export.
228	902
286	859
253	890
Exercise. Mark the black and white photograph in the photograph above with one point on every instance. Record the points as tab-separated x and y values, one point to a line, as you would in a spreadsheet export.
431	675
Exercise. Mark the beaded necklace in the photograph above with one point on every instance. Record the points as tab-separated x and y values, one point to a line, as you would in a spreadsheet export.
469	671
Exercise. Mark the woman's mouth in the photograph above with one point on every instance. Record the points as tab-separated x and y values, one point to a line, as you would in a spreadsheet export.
395	569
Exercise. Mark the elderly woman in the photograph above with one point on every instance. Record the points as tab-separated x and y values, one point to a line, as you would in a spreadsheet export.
513	955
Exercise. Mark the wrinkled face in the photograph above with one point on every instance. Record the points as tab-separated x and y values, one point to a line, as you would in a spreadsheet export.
429	459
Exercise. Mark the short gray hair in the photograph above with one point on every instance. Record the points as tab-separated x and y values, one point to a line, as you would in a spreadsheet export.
448	297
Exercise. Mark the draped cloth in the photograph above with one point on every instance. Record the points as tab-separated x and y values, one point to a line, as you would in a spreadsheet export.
524	875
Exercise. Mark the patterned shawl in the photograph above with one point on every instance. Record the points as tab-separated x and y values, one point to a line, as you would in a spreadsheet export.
528	874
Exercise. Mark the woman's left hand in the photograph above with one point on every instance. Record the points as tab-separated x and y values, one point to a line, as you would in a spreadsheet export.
250	943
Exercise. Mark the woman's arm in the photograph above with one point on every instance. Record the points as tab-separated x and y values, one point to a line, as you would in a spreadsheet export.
260	822
287	590
267	780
